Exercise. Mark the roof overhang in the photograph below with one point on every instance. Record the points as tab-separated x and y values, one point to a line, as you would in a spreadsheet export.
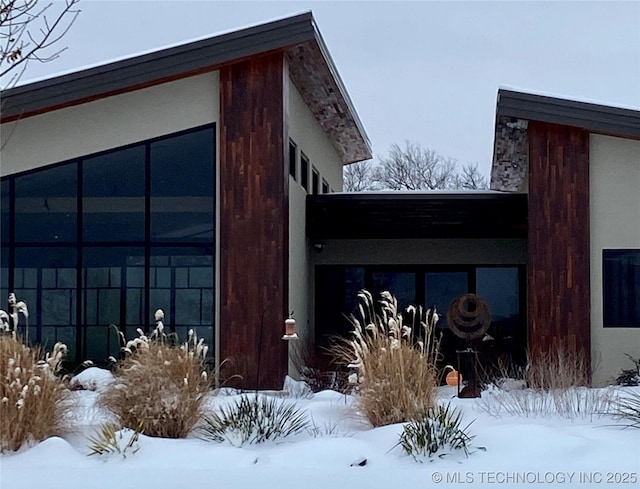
310	66
593	117
407	215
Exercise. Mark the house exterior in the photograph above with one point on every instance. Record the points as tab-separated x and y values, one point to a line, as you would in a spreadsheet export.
176	180
204	179
579	164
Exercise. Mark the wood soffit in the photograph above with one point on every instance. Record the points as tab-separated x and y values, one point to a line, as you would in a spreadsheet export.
311	69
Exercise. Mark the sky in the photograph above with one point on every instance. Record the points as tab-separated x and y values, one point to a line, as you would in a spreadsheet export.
426	72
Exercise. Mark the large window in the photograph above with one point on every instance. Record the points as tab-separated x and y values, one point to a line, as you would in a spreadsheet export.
432	287
621	288
109	238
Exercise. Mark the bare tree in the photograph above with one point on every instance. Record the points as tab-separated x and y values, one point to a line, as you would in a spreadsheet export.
415	168
412	168
470	178
359	177
30	31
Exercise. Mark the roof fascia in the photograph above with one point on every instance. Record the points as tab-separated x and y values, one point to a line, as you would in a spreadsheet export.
592	117
164	64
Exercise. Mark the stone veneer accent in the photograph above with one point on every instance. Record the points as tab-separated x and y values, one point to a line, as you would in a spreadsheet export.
510	155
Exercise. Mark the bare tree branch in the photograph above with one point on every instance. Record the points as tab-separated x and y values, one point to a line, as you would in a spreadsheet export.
412	167
28	30
358	177
471	179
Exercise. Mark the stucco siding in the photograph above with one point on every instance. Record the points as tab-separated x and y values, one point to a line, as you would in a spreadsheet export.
313	141
615	224
109	123
300	288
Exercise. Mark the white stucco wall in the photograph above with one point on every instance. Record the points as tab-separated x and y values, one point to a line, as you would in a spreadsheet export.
313	141
300	287
614	207
109	123
310	139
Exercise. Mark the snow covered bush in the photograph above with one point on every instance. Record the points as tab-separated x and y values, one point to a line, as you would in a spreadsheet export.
158	387
34	403
254	419
437	429
394	364
568	403
631	376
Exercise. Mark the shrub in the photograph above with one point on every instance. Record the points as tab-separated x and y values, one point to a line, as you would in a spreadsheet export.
437	429
110	439
630	377
569	403
254	419
394	364
627	408
158	388
34	403
557	368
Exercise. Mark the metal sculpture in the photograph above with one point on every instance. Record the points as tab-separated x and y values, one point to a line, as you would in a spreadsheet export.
468	318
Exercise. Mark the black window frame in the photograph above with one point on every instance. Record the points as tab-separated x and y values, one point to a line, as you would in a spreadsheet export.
304	171
293	159
315	180
612	316
147	243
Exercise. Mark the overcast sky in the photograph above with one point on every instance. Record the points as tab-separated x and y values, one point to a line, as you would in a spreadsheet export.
421	71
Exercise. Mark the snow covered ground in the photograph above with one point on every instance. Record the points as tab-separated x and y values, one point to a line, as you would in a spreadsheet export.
506	452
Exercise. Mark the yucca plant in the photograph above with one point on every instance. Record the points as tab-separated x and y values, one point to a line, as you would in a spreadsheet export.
110	439
627	408
254	419
439	428
393	363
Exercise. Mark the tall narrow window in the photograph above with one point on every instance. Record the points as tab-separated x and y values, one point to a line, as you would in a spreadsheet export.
621	284
325	186
304	171
315	180
292	159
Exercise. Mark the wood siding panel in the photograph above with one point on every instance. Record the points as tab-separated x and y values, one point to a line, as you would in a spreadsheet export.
253	221
558	272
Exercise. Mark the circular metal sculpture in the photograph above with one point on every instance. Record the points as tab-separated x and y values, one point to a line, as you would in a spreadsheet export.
468	317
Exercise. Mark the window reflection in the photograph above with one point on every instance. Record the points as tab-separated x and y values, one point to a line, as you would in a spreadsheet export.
182	188
113	196
46	205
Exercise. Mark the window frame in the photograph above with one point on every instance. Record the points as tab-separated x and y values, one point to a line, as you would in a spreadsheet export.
611	319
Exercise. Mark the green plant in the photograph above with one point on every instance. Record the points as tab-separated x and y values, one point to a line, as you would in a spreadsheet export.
630	377
627	408
393	364
110	439
34	403
254	419
437	429
159	386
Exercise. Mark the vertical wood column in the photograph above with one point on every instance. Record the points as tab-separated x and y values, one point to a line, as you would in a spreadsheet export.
253	221
558	271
